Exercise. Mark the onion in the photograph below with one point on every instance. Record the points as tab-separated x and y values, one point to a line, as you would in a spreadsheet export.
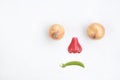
95	31
56	32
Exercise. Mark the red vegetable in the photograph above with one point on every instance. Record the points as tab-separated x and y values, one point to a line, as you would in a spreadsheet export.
74	46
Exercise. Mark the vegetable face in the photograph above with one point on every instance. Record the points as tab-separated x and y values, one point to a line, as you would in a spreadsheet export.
56	32
71	63
95	31
74	46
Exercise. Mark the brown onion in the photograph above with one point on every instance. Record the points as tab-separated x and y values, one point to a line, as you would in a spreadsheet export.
95	31
56	32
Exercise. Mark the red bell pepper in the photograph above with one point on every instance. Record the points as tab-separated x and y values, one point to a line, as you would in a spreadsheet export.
74	46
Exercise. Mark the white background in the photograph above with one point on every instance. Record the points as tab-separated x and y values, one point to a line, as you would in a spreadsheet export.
28	53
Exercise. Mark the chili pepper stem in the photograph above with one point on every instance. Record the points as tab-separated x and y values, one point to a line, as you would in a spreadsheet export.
62	65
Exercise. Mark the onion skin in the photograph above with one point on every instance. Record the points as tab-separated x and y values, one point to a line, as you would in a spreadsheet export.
95	31
56	32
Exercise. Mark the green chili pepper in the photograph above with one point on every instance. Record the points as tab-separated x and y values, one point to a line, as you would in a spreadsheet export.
77	63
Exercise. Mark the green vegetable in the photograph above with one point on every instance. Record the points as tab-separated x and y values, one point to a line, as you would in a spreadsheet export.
77	63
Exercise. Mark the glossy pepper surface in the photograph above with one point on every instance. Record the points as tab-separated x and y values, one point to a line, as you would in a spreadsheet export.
74	46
